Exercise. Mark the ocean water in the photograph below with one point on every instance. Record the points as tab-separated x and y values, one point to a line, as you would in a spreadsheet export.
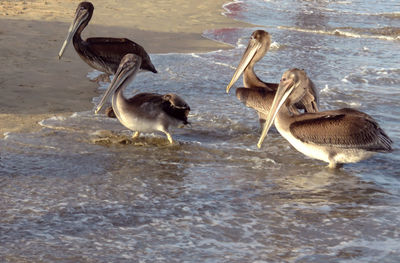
81	190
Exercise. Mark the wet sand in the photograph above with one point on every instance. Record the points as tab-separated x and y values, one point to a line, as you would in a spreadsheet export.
35	84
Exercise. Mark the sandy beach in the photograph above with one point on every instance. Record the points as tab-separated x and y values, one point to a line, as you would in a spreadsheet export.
35	84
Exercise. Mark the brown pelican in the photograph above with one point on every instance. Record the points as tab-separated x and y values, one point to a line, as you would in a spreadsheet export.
144	112
101	53
256	93
335	136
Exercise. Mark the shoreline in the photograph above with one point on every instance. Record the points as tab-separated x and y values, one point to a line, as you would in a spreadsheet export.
35	85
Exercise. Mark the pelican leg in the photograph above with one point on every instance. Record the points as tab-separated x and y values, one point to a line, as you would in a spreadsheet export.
169	137
332	165
135	135
332	162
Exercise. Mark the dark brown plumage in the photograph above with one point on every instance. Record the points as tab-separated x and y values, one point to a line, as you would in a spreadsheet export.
335	136
258	94
102	53
343	128
257	98
144	112
171	104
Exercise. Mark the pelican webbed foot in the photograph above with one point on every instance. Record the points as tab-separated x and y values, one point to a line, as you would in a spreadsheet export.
334	165
110	112
135	135
171	141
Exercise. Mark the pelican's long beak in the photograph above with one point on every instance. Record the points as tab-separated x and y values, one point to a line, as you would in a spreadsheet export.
248	55
282	93
126	72
80	16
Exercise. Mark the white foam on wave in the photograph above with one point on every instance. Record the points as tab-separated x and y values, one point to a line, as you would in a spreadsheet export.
242	42
54	118
386	247
275	46
353	78
357	35
351	104
104	85
226	7
207	60
195	55
325	90
380	14
343	2
225	65
240	45
6	135
260	163
338	32
92	75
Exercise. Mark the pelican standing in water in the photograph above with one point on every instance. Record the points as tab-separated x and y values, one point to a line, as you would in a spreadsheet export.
144	112
335	136
257	94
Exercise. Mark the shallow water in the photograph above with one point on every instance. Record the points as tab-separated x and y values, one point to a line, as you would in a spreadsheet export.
81	190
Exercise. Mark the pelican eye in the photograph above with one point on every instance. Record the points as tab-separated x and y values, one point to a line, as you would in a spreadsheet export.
128	63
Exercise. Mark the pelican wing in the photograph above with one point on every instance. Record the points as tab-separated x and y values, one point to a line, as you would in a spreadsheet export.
260	99
309	102
345	128
272	86
110	51
176	107
152	104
